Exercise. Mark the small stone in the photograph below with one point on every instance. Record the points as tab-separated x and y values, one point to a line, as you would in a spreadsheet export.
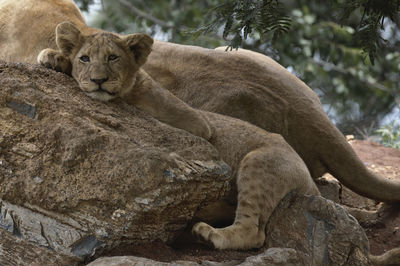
396	229
274	256
25	149
86	247
23	108
142	201
117	214
37	180
21	152
169	175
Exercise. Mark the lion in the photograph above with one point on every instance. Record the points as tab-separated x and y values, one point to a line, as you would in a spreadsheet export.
297	137
97	86
267	167
242	84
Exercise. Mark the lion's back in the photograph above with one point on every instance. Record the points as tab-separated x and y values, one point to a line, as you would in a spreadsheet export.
28	26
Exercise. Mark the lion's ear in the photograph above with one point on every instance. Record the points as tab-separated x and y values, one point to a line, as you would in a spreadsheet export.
140	44
68	36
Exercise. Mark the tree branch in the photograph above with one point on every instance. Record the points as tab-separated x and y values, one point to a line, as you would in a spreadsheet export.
157	21
144	15
344	71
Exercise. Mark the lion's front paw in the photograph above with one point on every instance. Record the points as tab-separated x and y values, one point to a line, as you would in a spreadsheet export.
55	60
237	236
208	235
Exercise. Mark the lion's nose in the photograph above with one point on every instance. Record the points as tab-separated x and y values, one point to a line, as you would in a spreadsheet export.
99	81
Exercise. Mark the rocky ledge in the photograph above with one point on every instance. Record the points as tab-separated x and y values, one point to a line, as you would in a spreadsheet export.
80	177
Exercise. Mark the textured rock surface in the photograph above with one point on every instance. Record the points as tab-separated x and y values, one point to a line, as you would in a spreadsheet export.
308	231
274	257
16	251
135	261
321	232
332	189
271	257
78	175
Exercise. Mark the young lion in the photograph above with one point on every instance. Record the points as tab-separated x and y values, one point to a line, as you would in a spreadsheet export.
242	84
253	88
267	167
106	66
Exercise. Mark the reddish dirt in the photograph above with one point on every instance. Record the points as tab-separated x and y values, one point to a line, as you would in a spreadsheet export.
383	235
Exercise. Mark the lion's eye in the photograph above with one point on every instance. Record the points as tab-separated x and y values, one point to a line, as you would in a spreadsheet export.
84	59
112	57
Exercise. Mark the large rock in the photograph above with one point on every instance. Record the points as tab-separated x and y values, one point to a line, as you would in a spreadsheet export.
271	257
321	231
77	175
303	230
136	261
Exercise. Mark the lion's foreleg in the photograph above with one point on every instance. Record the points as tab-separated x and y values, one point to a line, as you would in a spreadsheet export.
263	180
164	106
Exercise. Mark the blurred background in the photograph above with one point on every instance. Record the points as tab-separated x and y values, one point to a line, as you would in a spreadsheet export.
348	52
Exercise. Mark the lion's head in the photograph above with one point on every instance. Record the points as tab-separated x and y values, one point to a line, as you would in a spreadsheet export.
104	64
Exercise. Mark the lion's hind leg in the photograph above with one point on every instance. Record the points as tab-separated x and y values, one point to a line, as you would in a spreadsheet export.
265	176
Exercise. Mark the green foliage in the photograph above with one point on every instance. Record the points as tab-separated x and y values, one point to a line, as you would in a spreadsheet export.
390	135
374	13
167	20
325	54
84	4
241	18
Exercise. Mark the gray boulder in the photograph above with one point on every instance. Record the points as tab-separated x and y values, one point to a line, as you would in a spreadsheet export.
136	261
271	257
321	231
303	230
78	175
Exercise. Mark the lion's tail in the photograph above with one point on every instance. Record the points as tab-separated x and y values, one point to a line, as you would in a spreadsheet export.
319	143
342	162
391	257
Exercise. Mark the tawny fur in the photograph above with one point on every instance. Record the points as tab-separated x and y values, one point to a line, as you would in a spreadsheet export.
241	84
267	167
119	74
